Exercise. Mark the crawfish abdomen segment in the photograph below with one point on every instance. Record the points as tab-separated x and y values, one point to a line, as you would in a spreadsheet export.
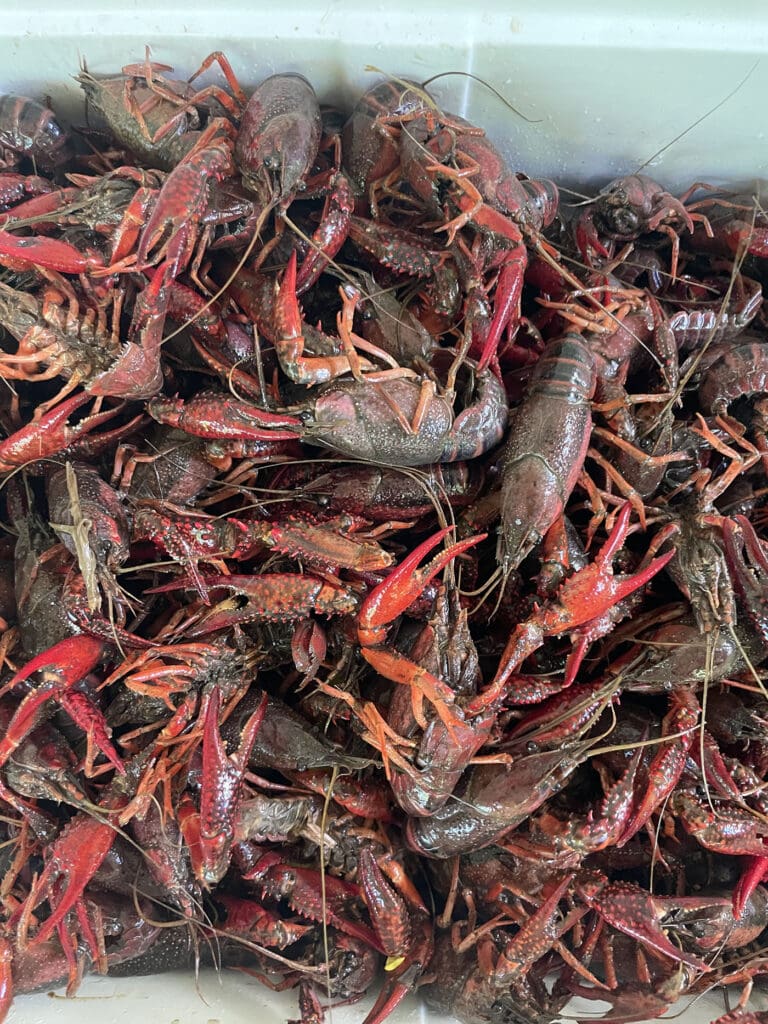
740	371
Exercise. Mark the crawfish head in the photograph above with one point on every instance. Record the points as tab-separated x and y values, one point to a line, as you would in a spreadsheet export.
629	206
279	137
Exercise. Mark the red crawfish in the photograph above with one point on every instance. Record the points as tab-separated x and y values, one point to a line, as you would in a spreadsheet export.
734	223
405	423
445	649
52	435
192	538
736	372
512	208
170	234
586	606
210	833
381	607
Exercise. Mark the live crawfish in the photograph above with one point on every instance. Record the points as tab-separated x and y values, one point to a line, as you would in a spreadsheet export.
242	660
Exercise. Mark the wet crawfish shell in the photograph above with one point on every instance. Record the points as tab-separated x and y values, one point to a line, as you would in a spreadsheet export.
356	420
464	991
31	130
108	97
178	473
279	137
100	508
370	153
716	928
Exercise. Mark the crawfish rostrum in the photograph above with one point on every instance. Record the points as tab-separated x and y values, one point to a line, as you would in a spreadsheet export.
385	590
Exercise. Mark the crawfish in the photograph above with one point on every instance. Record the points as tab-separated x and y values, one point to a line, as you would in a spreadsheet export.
548	442
629	207
405	423
369	150
445	649
380	494
279	138
28	129
495	799
156	117
58	334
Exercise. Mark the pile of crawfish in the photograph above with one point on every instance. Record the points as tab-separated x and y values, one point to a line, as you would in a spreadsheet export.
383	593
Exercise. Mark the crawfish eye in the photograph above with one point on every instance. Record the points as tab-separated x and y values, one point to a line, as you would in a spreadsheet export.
625	221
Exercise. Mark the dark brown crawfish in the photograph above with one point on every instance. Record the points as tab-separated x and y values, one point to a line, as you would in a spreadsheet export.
28	129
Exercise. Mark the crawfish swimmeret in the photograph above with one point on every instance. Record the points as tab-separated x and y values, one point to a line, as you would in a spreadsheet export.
390	604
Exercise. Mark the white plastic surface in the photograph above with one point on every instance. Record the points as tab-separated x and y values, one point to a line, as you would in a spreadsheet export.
610	85
231	998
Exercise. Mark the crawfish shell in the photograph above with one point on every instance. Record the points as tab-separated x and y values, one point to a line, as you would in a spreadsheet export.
279	137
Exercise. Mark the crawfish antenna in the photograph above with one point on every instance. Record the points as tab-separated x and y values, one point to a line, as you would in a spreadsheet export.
489	87
698	120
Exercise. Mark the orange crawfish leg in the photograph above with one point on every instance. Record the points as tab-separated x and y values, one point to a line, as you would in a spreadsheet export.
289	343
157	85
349	340
378	731
217	57
460	176
388	600
739	463
631	449
424	685
625	488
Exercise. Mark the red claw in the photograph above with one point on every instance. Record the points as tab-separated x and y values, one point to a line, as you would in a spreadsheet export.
388	600
388	911
330	233
588	594
220	790
752	875
35	253
404	584
66	664
50	435
217	417
76	855
635	912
